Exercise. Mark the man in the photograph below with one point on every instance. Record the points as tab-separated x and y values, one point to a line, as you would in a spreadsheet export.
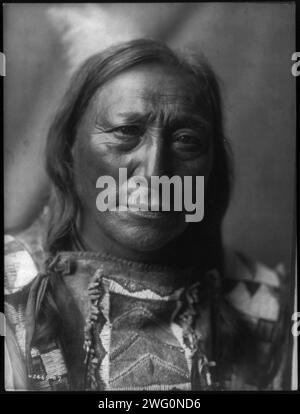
139	299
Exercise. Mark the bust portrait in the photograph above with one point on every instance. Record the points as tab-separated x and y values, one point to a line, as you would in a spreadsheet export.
135	299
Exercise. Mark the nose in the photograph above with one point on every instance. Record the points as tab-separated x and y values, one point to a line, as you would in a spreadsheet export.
151	159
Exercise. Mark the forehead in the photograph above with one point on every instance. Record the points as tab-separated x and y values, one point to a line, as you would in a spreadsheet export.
149	88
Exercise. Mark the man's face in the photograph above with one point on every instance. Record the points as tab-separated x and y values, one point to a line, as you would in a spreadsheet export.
149	121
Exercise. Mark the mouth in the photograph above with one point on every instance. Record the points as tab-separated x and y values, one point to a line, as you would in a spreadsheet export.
148	214
140	212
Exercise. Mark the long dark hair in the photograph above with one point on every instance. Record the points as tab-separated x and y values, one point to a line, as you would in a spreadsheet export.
64	205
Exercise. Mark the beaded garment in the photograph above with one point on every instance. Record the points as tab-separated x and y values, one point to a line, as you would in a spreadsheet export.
141	327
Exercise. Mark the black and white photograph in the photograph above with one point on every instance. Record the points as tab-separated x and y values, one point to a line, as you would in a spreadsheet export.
150	197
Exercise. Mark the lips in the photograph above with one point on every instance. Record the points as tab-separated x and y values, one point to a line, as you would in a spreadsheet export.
148	214
159	217
140	202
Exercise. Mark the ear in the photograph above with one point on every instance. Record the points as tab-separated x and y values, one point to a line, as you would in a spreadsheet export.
87	29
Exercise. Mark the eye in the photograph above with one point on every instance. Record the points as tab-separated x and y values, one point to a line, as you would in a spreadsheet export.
127	131
187	141
186	138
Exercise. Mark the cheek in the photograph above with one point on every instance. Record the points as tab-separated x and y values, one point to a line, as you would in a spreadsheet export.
200	166
93	160
87	168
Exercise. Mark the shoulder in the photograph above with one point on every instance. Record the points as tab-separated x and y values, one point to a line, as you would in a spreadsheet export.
23	257
252	288
259	296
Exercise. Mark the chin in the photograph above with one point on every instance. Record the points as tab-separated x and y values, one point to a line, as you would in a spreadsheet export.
140	234
144	239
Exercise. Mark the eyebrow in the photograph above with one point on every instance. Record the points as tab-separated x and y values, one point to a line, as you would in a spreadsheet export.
136	116
178	120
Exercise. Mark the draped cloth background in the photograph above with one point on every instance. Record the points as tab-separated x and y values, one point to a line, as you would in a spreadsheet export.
250	48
